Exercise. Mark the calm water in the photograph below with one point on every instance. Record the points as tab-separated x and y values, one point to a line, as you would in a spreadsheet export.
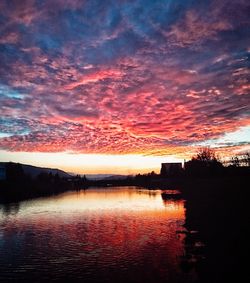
98	235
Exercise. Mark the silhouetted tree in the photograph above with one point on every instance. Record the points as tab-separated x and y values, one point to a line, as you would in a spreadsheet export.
84	178
240	160
204	163
247	159
235	161
206	155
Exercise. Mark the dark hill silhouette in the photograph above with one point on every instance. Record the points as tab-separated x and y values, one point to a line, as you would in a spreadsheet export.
98	177
26	181
34	171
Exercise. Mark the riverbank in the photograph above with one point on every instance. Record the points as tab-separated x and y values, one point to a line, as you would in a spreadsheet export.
217	213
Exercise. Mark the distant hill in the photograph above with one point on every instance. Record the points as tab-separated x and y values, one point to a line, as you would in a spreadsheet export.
97	177
33	171
116	177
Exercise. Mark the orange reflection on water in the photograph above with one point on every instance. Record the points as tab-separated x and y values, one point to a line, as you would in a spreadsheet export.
119	199
129	230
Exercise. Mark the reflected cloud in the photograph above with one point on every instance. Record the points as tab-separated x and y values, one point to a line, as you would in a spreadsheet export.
98	233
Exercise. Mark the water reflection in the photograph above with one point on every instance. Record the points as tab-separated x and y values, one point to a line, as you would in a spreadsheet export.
99	235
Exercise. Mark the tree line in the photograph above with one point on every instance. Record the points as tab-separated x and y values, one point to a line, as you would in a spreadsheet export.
205	164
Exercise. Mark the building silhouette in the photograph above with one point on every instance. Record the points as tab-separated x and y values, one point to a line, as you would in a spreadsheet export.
171	169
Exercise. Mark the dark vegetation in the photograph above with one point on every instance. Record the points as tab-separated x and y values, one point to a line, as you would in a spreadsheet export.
217	198
205	165
217	214
217	223
217	218
18	185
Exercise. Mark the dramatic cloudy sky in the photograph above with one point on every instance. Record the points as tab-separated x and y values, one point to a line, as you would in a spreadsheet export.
148	78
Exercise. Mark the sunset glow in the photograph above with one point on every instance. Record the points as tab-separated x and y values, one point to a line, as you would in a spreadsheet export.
121	86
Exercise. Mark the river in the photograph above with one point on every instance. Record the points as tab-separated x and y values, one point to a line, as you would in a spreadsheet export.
125	234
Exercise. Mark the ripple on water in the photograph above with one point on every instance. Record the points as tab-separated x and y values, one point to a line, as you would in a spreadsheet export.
97	235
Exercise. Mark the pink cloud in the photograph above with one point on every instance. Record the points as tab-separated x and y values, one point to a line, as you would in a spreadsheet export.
10	38
120	84
194	29
95	77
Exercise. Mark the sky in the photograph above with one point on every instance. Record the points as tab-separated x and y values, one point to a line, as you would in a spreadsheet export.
121	86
